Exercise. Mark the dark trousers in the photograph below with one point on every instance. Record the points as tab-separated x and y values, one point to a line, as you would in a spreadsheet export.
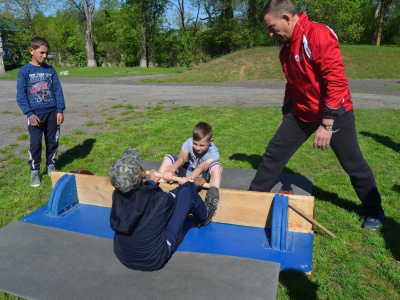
188	201
51	131
293	133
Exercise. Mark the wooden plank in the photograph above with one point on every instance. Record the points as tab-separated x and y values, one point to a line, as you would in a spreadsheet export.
237	207
94	190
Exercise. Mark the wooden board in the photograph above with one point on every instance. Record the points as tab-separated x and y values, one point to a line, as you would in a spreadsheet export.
246	208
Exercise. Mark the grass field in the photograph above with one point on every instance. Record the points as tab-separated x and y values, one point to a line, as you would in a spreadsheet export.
261	64
360	264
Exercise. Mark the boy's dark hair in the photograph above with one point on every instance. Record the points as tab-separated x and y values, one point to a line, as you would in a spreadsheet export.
277	8
37	41
202	130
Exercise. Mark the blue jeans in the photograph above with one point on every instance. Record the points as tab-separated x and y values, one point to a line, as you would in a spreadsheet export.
293	133
188	201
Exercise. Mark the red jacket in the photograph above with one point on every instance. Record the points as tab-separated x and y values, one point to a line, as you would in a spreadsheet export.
314	70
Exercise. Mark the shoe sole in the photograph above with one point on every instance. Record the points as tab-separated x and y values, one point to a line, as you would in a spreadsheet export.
373	229
35	185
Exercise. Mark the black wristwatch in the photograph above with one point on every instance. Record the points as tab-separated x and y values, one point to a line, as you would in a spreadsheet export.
327	127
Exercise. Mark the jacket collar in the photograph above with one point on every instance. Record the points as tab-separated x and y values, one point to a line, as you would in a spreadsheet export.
298	29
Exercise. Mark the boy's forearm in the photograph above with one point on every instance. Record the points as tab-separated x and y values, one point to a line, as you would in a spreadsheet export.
201	169
178	163
197	172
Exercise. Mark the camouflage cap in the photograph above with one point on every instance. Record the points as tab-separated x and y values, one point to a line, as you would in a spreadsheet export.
125	172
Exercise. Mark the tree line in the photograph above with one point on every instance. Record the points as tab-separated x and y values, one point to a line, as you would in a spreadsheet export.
138	32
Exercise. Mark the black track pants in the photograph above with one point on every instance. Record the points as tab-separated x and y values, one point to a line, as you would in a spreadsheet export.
293	133
51	131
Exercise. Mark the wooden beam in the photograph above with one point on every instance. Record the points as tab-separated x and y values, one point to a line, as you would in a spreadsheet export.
239	207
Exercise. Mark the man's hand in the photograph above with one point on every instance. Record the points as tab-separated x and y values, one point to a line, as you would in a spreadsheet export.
153	177
60	118
322	138
34	120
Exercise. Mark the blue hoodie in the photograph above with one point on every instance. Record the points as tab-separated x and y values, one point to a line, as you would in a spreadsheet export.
39	90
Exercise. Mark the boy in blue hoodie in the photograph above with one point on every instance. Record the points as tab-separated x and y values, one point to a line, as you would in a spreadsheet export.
41	99
148	221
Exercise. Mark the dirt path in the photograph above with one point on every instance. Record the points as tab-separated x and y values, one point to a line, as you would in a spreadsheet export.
89	99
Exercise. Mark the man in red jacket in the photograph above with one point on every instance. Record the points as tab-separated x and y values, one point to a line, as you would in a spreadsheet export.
317	99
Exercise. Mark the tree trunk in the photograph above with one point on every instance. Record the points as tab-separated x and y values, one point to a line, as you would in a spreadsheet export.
91	62
379	14
209	15
181	10
227	10
143	32
2	70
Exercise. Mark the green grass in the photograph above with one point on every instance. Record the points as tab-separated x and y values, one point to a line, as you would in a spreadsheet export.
260	64
23	136
360	264
103	72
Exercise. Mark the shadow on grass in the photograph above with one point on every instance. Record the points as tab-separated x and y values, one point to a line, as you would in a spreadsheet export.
253	159
384	140
299	286
79	151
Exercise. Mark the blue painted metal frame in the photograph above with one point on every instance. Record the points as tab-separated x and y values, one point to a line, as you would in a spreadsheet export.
64	195
216	238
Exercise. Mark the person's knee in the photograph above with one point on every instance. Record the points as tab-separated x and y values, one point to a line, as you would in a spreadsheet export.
215	168
169	158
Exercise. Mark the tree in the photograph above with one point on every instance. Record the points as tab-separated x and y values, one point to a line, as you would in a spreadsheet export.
380	12
150	13
88	7
1	57
19	15
144	57
186	17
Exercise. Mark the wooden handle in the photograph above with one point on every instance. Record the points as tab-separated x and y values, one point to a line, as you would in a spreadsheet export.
176	179
301	213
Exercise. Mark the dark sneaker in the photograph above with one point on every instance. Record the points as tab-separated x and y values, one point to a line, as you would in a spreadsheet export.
51	168
211	202
35	178
371	223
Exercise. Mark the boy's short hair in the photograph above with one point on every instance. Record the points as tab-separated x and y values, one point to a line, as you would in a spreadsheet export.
277	8
202	130
37	41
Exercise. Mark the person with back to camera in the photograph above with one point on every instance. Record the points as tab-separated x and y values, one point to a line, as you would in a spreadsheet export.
317	99
148	221
203	161
41	99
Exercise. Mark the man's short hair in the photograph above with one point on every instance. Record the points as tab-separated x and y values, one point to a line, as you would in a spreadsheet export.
125	173
277	8
37	41
202	130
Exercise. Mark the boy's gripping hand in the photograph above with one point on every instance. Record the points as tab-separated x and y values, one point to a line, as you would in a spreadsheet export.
34	120
167	176
153	177
182	180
